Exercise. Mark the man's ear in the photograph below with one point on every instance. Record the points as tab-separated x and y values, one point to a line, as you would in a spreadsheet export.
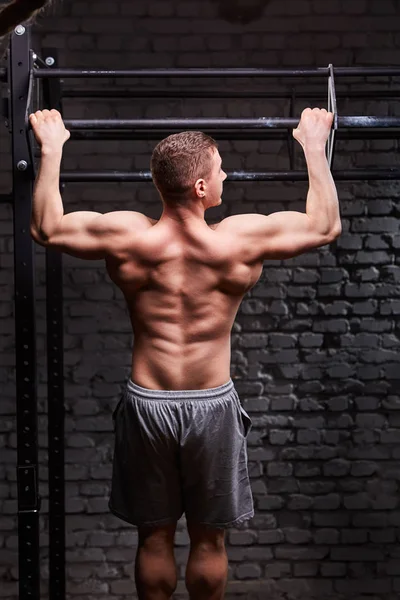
200	187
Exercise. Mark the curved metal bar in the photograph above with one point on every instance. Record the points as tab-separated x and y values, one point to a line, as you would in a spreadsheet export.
332	107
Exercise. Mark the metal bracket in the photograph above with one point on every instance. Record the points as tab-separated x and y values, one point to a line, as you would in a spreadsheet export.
332	107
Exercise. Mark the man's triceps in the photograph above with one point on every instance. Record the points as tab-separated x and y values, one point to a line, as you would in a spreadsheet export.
285	234
76	234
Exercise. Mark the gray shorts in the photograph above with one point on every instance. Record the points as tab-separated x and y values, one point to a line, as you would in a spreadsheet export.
181	452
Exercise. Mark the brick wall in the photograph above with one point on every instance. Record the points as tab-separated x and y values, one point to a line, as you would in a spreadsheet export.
315	344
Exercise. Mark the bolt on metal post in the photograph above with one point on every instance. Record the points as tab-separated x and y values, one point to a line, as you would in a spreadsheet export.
19	30
22	165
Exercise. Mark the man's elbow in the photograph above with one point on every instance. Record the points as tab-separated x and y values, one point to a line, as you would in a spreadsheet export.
334	232
39	237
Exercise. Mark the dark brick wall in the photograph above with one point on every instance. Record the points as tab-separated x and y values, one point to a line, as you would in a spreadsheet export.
315	344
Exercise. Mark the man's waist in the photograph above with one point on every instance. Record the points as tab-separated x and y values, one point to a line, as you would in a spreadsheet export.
187	394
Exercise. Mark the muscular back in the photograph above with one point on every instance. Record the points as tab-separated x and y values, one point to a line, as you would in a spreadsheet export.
183	284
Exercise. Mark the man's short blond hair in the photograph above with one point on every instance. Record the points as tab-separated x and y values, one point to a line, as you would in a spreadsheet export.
179	161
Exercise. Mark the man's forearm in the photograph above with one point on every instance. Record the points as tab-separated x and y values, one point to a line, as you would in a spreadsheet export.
47	207
322	200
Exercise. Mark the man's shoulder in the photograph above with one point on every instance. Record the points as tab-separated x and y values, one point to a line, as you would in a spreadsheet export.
129	218
236	223
226	224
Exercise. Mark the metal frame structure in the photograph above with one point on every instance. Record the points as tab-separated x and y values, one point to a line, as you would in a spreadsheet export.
265	128
21	64
55	390
25	327
21	75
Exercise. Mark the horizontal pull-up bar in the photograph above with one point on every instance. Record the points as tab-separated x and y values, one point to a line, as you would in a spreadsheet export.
190	72
322	72
230	72
226	93
229	135
210	123
145	176
319	72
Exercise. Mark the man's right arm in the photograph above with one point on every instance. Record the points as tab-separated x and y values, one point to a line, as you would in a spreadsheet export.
288	233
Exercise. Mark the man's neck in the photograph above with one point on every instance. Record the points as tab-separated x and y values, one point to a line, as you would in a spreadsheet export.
189	213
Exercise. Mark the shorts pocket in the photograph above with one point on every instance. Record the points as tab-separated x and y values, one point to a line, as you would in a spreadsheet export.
246	420
114	412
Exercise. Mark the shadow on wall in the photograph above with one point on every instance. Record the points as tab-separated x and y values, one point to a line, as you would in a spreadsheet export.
241	11
14	13
19	11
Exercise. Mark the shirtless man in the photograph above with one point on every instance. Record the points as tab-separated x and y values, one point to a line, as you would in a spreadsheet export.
180	429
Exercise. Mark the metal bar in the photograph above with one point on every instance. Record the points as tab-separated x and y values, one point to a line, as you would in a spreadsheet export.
290	138
29	132
332	97
171	123
367	122
25	330
332	107
366	71
191	72
145	176
252	134
153	134
231	72
104	176
210	123
55	389
193	93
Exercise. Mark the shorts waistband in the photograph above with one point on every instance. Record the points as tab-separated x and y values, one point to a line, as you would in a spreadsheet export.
206	394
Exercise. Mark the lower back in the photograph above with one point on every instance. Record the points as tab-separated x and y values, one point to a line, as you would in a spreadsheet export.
163	365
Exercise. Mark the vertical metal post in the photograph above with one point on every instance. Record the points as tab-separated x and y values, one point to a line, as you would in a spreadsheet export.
55	394
55	386
25	323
